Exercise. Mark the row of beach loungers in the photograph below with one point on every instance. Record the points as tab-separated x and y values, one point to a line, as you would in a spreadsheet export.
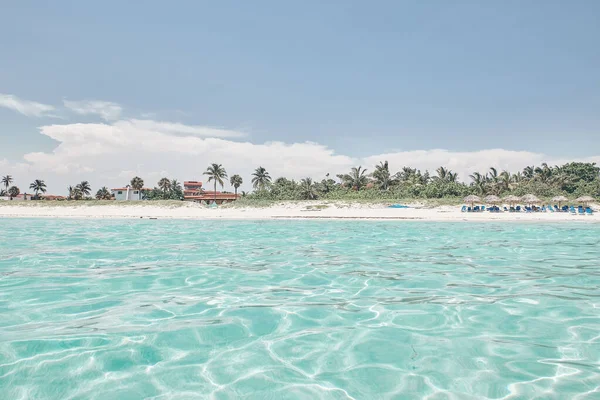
570	209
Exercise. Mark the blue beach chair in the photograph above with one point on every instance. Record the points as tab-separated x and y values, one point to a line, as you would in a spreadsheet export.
463	209
589	211
556	208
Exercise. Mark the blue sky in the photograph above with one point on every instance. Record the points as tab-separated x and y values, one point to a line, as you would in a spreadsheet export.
361	79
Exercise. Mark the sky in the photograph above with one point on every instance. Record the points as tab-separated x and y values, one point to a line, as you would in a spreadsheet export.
106	90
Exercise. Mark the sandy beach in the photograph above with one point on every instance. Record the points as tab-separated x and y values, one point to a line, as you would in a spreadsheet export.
281	210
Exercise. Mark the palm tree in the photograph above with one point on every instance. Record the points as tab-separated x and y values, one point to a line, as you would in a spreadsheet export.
307	189
165	185
517	178
103	194
38	186
543	173
13	192
85	188
382	175
175	185
236	181
6	181
77	193
442	174
504	181
478	182
529	172
137	183
216	173
70	190
261	179
451	177
356	179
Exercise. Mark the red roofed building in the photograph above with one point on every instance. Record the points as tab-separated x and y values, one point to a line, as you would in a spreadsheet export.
192	191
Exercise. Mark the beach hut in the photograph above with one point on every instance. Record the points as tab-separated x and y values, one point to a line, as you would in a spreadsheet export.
530	199
559	200
585	199
472	199
512	199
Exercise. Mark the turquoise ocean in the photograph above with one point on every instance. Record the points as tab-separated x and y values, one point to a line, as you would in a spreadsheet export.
133	309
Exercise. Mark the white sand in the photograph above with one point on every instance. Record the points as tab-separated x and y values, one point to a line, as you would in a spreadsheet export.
284	210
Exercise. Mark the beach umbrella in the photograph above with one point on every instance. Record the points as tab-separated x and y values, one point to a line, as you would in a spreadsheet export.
530	199
491	199
472	199
512	199
559	199
585	199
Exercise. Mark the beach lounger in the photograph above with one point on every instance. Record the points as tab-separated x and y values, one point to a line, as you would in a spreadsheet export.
511	209
463	209
469	209
572	210
550	209
565	208
518	209
556	208
580	210
589	211
506	209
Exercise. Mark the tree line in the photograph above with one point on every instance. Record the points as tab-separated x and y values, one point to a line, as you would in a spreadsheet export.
571	179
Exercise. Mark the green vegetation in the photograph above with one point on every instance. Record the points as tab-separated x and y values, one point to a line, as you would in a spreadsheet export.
571	180
167	190
6	181
38	186
137	183
236	181
13	191
103	194
216	173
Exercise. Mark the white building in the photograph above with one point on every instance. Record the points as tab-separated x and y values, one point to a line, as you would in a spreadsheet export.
127	193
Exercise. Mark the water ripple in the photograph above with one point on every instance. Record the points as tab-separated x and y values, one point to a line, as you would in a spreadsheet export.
298	310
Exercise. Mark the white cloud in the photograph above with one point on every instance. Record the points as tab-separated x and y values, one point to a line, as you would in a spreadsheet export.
175	128
25	107
111	154
107	110
102	152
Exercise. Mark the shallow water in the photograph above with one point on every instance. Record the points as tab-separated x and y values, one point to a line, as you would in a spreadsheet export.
128	309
